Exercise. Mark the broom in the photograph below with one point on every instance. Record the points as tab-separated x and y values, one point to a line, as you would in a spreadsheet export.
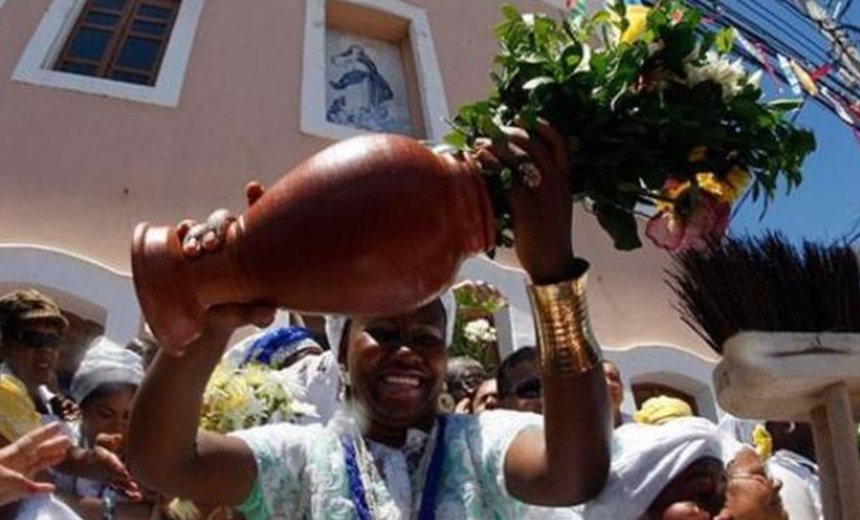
766	284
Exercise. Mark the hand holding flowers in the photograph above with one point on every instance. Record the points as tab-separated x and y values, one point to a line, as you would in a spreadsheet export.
658	116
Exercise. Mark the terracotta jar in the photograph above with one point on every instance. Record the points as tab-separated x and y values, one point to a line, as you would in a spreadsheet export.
372	225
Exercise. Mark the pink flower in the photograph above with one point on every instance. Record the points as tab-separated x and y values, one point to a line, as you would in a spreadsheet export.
707	220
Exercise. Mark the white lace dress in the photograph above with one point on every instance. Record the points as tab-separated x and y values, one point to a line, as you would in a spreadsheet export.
302	472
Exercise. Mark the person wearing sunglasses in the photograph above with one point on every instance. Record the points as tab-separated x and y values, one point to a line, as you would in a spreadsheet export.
519	382
32	334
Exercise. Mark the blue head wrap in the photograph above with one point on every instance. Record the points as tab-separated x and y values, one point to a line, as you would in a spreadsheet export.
277	345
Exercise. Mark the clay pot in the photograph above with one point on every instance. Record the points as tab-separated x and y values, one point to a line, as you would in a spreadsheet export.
377	224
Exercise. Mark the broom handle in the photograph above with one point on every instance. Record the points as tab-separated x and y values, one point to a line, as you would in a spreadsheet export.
836	449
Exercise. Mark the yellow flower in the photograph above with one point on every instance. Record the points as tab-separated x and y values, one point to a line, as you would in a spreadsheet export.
728	189
637	17
236	394
254	374
763	441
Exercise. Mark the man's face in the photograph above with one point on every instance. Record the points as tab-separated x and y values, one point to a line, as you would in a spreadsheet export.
526	393
32	352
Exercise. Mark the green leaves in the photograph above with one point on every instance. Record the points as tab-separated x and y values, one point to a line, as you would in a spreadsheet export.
620	224
633	110
725	38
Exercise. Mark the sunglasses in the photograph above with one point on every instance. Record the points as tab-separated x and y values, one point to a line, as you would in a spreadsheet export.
37	340
529	389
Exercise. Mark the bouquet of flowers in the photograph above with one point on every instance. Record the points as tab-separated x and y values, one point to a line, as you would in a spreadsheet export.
248	396
657	116
474	332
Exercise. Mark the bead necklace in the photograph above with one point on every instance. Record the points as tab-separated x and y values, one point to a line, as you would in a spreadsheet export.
362	472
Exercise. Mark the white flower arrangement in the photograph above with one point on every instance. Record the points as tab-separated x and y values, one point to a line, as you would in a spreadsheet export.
479	331
730	75
253	395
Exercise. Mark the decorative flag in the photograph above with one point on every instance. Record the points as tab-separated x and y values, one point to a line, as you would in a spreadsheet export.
820	72
789	74
839	107
748	46
756	50
769	68
804	78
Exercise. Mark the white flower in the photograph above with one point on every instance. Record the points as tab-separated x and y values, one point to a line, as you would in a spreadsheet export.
304	409
754	79
479	331
730	75
253	395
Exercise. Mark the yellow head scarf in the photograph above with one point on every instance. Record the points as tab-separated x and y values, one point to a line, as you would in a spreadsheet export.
18	414
662	409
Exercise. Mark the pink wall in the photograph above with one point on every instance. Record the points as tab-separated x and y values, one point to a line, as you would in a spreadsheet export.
79	170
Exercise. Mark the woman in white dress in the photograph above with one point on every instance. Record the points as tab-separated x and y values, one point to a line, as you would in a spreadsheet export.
394	456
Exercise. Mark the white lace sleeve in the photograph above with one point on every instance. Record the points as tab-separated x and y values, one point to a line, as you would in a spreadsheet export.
281	453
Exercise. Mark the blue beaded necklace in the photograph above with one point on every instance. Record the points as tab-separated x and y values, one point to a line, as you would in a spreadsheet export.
358	494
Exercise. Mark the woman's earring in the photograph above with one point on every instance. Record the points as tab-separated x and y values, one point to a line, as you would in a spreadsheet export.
345	383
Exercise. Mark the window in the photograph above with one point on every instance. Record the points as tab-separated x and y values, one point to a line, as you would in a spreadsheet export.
119	39
129	49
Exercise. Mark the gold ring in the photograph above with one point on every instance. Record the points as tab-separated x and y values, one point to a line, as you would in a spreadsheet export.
530	174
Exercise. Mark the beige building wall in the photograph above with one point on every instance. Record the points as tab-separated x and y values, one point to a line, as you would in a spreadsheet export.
78	171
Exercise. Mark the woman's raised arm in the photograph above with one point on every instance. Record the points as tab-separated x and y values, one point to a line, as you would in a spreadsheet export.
165	450
567	463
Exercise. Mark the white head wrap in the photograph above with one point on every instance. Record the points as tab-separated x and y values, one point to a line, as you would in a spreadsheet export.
335	324
105	362
645	458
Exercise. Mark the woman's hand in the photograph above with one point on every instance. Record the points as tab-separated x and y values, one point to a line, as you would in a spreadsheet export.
540	199
14	486
20	461
204	237
37	450
109	468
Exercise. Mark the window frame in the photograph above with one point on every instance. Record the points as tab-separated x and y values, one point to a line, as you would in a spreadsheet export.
43	50
431	92
119	35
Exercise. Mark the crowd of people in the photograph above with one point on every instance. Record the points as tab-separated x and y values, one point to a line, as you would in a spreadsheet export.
659	449
399	431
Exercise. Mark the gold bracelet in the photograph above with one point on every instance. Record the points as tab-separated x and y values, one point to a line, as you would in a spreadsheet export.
566	344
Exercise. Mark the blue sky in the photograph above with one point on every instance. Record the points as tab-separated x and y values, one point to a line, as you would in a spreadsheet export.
827	204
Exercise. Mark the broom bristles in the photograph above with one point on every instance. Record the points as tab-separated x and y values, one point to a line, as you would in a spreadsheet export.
766	284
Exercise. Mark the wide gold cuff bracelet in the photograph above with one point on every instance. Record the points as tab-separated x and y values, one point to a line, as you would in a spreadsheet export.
565	339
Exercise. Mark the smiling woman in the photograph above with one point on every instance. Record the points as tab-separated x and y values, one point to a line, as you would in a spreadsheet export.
391	455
